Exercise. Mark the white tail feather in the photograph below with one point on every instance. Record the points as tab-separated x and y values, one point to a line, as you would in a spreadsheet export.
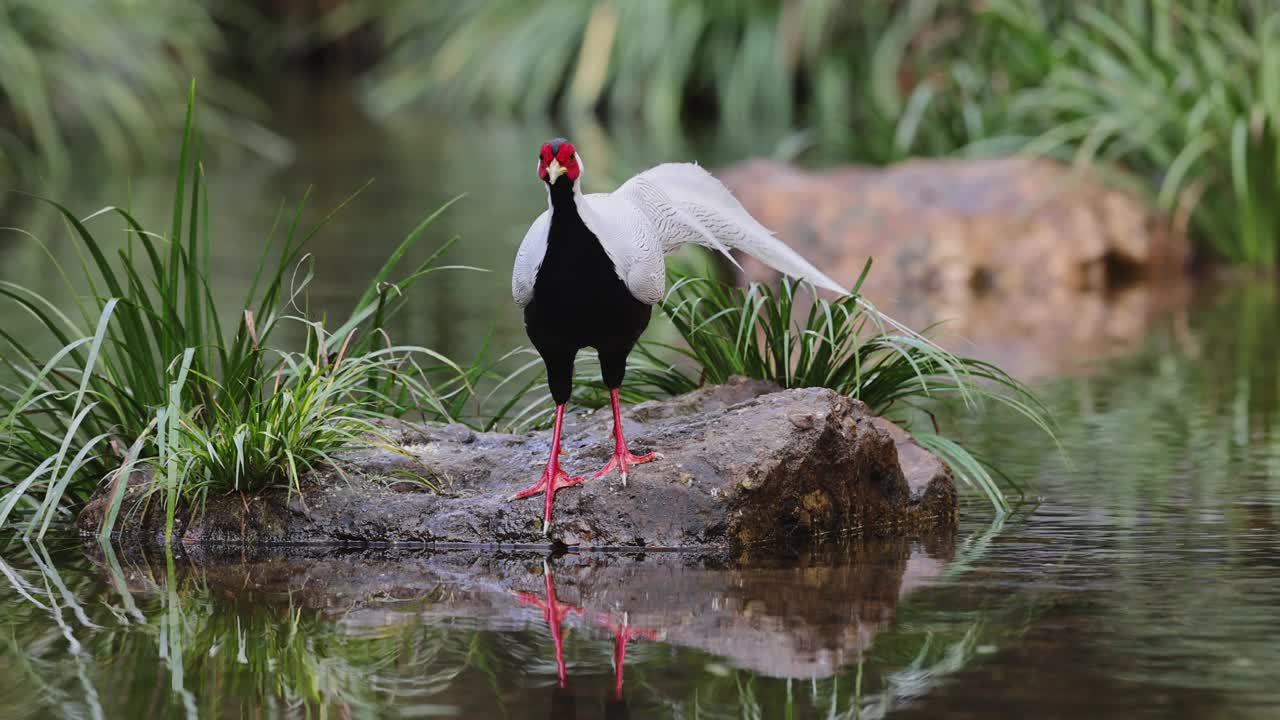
703	211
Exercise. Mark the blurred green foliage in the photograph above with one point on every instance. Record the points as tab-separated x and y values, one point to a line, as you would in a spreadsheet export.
1182	95
105	76
113	66
858	73
1186	94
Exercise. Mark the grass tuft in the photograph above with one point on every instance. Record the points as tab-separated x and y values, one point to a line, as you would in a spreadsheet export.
846	345
164	381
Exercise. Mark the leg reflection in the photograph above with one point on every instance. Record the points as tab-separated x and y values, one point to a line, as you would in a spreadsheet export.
554	613
623	633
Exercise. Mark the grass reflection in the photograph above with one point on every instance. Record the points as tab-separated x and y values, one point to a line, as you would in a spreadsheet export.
158	636
1190	421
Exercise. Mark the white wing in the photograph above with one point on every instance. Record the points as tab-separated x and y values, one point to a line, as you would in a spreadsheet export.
529	258
678	204
631	239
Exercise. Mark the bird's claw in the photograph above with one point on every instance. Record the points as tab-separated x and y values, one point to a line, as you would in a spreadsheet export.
562	480
623	459
553	479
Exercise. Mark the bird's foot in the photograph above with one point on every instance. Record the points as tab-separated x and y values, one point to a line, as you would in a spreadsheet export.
624	459
553	478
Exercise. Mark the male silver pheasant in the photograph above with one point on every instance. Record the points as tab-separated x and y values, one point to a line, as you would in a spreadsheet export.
591	268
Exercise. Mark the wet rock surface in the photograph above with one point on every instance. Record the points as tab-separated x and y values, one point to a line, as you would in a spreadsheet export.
1039	265
801	615
742	465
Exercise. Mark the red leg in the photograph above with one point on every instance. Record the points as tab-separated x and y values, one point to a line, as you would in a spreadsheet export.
553	478
622	458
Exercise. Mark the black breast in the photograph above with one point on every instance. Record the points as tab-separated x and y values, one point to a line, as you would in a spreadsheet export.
578	299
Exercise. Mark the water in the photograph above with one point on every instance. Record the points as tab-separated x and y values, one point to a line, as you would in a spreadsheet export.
1139	581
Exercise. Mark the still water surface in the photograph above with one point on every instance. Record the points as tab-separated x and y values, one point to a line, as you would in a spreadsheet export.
1143	580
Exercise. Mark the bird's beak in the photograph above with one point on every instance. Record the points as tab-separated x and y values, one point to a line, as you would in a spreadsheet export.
554	171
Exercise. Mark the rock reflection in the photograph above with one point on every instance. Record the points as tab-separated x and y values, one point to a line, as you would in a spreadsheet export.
228	632
800	616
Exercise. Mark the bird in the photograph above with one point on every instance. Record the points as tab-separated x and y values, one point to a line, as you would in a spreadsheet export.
592	266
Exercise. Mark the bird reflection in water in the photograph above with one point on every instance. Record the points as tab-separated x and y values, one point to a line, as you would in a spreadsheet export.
622	634
554	613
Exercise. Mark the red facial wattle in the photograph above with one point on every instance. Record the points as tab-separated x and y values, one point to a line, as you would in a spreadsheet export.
564	155
568	160
544	159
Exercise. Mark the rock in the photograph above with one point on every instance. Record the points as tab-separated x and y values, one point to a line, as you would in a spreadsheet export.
1036	263
957	227
737	470
802	615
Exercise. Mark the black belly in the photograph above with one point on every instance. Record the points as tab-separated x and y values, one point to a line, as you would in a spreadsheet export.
580	302
571	311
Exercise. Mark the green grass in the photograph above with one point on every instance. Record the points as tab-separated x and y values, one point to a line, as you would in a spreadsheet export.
1185	93
846	345
152	374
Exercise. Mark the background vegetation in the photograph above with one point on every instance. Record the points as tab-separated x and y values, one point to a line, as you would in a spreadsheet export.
114	86
1180	95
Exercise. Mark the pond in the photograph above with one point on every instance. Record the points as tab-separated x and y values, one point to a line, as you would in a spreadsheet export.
1140	578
